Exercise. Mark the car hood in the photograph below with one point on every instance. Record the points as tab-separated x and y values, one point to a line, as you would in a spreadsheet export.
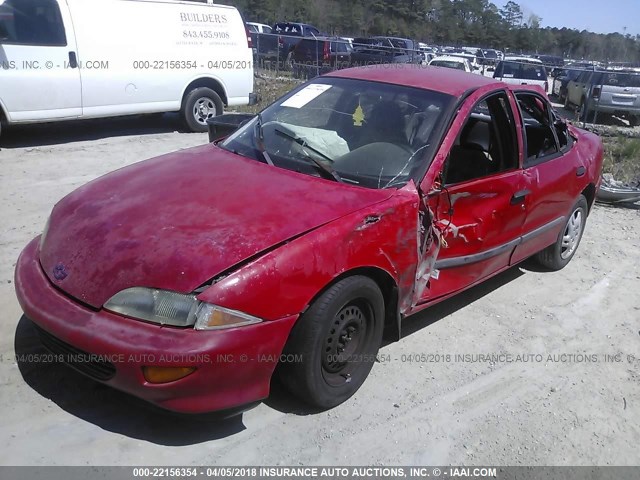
176	221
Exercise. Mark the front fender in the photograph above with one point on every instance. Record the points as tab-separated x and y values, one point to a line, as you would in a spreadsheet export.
286	280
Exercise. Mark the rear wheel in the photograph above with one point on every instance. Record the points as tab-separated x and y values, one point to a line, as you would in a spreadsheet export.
583	112
335	343
558	255
199	105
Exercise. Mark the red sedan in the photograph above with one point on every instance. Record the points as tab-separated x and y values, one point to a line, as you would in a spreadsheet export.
357	199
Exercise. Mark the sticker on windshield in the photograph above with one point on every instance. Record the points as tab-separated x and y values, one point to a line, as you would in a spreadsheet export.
305	95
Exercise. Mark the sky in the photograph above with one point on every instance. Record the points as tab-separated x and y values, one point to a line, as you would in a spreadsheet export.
599	16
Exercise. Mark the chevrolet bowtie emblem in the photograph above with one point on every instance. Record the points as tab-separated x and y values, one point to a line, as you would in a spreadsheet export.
60	272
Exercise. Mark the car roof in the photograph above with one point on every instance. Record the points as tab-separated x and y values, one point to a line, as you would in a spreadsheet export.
445	80
523	59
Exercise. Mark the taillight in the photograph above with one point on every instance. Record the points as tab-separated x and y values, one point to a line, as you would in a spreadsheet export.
595	93
249	39
326	55
280	42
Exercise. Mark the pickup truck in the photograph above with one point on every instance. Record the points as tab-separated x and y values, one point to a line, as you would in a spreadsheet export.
278	45
377	50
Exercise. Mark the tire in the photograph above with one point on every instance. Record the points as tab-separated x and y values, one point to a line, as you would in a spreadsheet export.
633	121
199	105
584	112
288	63
346	320
557	256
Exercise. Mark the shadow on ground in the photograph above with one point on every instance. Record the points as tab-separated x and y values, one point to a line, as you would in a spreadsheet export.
25	136
107	408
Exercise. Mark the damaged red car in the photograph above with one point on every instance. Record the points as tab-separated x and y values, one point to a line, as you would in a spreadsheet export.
356	200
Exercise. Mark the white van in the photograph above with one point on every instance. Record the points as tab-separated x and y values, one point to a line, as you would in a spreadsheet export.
73	59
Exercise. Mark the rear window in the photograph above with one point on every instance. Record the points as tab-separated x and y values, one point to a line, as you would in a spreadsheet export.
288	29
31	22
448	64
526	71
621	79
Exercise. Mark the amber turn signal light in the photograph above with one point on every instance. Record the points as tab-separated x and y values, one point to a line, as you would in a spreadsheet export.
166	374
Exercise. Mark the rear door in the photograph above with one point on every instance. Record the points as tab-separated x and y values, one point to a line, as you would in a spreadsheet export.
552	174
479	209
40	79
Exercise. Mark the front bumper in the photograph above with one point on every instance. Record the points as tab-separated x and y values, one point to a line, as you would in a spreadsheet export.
233	366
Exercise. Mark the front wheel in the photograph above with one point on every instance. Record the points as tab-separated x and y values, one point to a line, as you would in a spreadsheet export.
199	105
335	343
558	255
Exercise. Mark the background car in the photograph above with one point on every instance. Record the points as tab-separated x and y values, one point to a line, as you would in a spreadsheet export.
258	27
561	82
315	56
449	61
606	93
522	71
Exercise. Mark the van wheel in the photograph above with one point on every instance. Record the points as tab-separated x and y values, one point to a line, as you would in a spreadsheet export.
335	343
558	255
199	105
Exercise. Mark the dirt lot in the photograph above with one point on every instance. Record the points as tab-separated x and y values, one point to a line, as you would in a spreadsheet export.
565	392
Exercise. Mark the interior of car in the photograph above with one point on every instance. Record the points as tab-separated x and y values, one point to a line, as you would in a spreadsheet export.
485	144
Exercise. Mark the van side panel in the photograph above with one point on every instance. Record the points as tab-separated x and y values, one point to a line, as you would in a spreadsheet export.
138	56
38	82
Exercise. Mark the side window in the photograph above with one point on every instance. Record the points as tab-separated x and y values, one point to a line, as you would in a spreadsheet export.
486	144
31	22
540	136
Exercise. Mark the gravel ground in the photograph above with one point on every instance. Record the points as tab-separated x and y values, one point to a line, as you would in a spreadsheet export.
565	392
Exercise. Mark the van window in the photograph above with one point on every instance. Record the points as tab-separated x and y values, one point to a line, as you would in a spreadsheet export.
31	22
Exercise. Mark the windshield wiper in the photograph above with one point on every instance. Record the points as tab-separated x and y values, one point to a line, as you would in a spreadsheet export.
259	134
325	168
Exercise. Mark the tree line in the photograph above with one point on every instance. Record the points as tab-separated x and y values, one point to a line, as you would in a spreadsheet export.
446	22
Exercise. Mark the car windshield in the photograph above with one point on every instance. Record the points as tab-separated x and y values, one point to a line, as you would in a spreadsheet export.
372	134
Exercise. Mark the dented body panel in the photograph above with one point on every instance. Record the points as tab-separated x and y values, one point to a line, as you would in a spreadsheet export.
266	241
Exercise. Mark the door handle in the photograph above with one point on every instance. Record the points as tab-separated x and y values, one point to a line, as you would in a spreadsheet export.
580	171
73	60
519	197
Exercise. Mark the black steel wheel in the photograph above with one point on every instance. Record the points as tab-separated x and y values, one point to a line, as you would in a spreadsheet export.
335	343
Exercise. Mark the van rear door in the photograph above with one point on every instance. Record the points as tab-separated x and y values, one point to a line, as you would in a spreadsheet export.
40	79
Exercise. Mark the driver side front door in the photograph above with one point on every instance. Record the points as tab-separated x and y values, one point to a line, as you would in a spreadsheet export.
481	206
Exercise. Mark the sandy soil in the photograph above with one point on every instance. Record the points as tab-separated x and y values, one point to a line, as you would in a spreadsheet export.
567	406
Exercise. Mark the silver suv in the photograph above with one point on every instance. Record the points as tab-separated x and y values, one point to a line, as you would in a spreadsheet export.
606	92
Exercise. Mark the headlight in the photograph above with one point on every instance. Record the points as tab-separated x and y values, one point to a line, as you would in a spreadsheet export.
176	309
157	306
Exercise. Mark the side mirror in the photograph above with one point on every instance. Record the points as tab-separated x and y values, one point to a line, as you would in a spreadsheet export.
224	125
